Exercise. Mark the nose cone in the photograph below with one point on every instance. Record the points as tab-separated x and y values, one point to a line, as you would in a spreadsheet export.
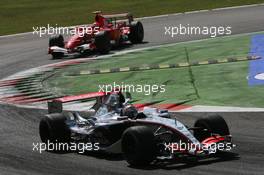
73	42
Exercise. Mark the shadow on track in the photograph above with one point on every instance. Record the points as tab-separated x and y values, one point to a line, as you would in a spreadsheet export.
176	164
185	164
95	53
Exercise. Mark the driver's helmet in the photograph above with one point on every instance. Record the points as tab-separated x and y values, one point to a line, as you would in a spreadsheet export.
112	101
130	111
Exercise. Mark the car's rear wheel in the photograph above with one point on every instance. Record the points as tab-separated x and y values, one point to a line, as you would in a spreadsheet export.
53	128
214	124
102	42
56	40
136	34
138	145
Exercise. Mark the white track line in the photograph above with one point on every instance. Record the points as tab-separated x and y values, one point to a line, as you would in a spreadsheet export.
200	108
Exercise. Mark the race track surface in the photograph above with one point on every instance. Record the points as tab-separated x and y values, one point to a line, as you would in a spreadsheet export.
19	127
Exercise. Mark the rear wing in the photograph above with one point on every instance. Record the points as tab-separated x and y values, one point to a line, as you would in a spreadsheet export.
120	16
56	105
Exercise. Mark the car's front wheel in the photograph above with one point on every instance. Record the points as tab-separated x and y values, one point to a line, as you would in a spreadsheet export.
214	124
138	145
57	40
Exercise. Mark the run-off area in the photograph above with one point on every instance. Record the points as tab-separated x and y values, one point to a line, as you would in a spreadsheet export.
224	84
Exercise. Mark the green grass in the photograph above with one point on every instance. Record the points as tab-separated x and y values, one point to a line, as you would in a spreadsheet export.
227	85
84	84
22	15
213	48
220	84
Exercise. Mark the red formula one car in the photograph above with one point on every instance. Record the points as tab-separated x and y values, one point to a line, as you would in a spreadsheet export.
107	31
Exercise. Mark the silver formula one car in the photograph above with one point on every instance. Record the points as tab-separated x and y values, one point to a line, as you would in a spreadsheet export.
142	137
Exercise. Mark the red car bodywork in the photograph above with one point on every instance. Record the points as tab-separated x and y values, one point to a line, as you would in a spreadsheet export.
117	30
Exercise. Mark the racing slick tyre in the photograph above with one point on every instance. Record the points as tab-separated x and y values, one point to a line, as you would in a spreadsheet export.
102	42
57	40
138	145
53	128
214	124
136	34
